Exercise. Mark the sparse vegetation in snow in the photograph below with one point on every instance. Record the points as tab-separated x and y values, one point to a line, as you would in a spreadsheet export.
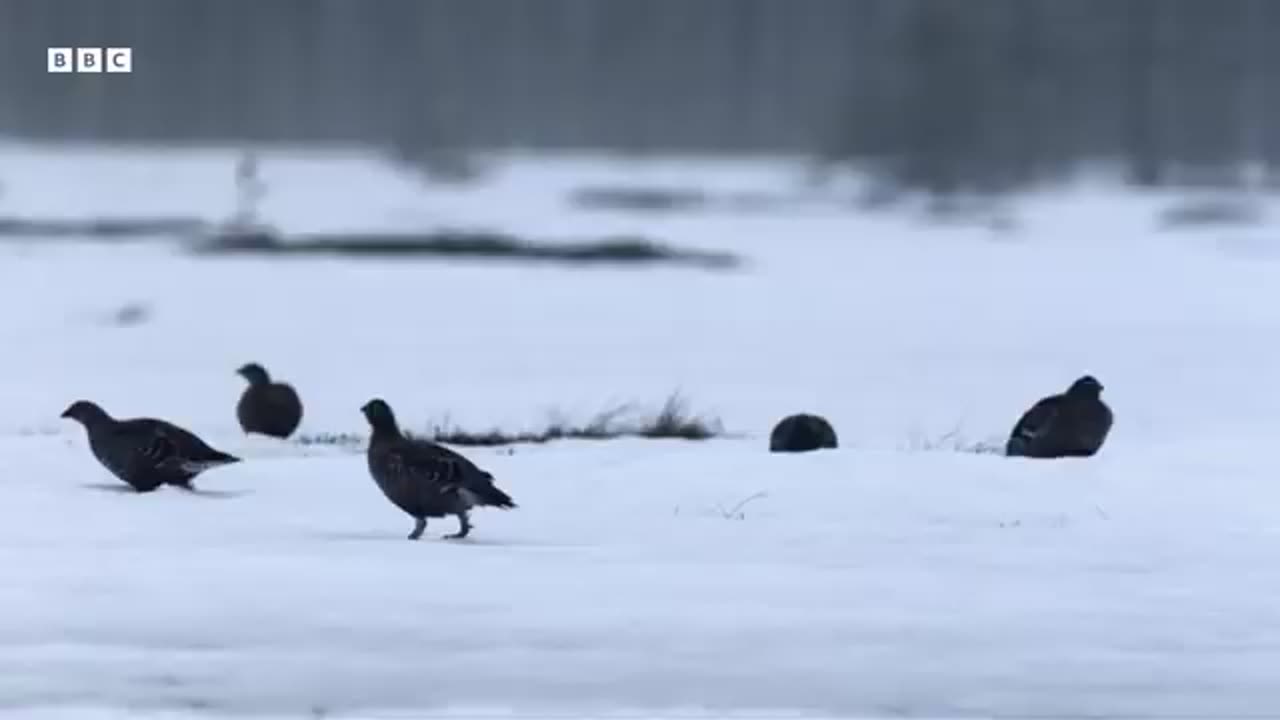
672	420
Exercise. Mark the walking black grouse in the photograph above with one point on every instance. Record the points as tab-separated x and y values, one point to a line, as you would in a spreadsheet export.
424	479
266	407
143	452
1073	424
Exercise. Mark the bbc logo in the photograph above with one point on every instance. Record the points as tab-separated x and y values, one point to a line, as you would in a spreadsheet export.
90	60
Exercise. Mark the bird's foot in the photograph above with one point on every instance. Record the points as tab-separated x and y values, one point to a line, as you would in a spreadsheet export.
464	527
418	527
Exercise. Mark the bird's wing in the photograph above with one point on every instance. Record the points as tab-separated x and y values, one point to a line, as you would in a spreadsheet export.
466	473
192	451
1035	421
146	443
166	446
186	441
470	478
422	462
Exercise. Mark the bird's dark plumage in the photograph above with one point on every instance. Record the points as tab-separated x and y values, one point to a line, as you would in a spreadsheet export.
801	433
143	452
266	407
424	479
1072	424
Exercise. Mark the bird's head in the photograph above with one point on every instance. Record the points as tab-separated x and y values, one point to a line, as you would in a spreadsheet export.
85	412
1086	387
254	373
379	415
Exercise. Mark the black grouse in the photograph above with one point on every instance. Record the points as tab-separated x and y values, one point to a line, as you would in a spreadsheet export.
143	452
266	407
801	433
1073	424
424	479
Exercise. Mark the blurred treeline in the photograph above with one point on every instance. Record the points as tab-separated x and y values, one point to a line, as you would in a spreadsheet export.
939	94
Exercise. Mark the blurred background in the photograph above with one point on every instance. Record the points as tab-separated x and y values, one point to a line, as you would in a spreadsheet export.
940	95
767	162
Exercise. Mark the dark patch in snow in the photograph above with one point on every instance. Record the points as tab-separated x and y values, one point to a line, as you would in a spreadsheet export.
101	228
657	199
1212	211
198	492
217	494
639	199
129	315
112	488
457	244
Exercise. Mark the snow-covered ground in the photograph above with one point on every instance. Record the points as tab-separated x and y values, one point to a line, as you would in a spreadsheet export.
891	577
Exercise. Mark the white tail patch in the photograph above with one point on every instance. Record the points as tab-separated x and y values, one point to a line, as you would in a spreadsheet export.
195	466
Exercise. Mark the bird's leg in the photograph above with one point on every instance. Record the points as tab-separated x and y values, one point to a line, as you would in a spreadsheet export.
464	527
419	526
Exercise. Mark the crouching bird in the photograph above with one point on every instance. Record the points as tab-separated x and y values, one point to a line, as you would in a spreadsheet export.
1072	424
424	479
265	407
801	433
143	452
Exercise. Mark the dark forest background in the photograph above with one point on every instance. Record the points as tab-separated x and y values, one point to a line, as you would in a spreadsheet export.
938	94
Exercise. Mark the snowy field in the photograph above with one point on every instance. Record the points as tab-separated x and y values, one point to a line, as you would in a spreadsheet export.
893	577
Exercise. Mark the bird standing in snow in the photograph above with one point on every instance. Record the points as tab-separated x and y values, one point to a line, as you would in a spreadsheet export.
266	407
424	479
1072	424
143	452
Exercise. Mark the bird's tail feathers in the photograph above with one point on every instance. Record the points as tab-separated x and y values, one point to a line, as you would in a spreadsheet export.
492	496
218	460
482	493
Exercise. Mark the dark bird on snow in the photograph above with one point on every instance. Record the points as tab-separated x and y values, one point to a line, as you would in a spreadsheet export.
424	479
143	452
802	433
266	407
1073	424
